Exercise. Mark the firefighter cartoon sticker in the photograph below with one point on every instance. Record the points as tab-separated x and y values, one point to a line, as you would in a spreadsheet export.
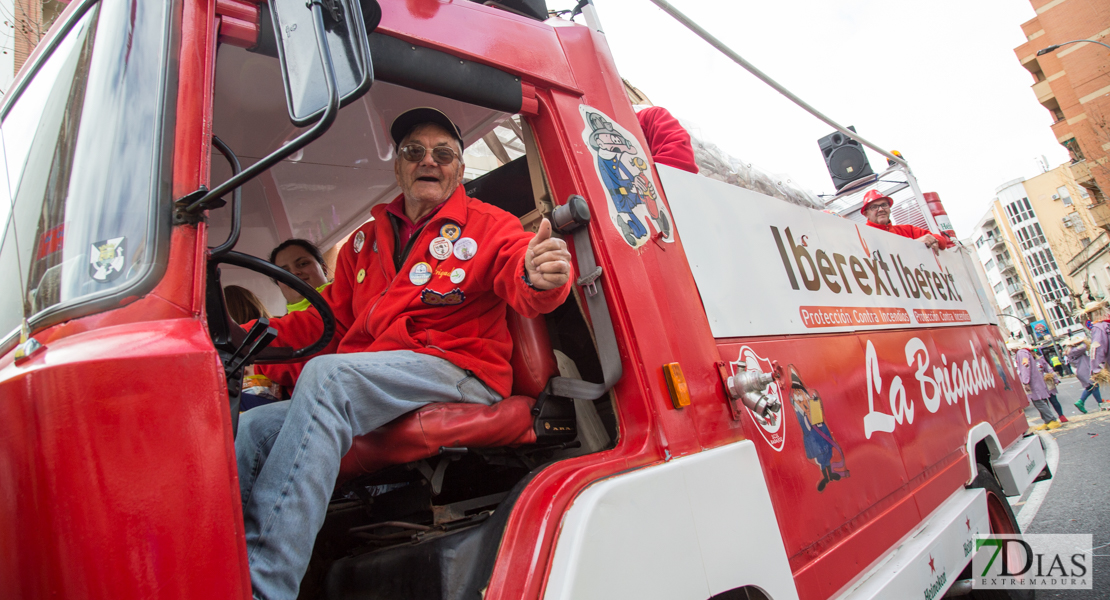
820	446
106	259
622	167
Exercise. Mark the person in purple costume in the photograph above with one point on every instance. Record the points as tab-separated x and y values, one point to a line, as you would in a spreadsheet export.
1051	380
1032	381
1076	355
1100	341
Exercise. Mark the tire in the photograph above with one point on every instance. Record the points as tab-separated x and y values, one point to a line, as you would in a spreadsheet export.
1001	521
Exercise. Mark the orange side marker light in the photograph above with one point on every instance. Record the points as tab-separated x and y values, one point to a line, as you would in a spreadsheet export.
676	385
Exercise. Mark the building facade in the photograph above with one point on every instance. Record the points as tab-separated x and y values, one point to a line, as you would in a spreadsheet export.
1000	276
1020	264
1064	209
1073	84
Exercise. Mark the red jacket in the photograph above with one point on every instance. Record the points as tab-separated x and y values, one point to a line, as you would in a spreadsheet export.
913	233
668	141
378	308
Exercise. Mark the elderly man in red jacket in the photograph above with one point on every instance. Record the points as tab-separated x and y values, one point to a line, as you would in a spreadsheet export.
876	207
420	296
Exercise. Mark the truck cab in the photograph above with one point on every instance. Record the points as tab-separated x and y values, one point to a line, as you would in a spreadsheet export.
741	397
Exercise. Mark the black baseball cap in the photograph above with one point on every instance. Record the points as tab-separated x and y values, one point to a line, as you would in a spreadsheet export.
796	382
408	120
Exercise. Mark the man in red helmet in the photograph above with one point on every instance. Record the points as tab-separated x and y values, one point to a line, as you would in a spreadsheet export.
876	207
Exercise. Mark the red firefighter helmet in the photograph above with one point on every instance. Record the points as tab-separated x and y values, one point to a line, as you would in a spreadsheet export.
871	197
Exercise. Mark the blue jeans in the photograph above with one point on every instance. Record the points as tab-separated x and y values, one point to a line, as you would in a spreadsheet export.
1092	390
289	452
1056	404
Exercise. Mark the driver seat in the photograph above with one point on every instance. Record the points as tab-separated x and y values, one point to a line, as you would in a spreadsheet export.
422	433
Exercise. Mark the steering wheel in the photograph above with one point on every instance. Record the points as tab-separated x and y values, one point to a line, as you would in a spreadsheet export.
229	337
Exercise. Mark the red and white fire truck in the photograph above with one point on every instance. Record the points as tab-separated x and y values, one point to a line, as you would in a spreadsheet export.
742	399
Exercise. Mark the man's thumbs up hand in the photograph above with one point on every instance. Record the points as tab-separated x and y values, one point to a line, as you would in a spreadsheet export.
547	261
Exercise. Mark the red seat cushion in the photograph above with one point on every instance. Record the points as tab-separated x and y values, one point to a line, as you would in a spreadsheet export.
423	432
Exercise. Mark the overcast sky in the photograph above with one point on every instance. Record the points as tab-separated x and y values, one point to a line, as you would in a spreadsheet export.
937	80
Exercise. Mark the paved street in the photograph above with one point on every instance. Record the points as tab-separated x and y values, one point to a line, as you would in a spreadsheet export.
1078	498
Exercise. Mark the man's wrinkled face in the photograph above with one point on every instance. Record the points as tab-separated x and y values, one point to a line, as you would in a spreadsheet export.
426	181
878	212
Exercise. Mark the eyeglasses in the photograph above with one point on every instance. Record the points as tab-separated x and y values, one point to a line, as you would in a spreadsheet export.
441	154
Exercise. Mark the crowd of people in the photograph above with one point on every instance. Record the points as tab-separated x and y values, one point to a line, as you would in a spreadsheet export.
1085	356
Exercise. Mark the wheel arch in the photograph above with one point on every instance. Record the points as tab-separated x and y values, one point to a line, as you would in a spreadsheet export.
747	592
982	448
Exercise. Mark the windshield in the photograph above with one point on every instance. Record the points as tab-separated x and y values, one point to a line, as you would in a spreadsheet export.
81	147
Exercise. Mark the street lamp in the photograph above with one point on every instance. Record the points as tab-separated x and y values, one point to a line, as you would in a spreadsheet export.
1053	47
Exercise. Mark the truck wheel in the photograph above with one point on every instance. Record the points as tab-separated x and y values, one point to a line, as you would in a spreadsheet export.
1002	520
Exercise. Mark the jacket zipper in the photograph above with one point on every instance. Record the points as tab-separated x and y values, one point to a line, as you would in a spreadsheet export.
366	321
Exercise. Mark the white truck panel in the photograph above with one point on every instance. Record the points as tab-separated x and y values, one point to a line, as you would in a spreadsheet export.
686	529
1019	465
928	560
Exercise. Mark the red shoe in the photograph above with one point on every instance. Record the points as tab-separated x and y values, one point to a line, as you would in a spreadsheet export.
1063	419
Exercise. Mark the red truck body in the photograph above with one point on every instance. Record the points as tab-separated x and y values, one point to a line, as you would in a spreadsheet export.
117	464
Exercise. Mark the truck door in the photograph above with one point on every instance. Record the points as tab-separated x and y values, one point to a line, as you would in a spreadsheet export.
116	471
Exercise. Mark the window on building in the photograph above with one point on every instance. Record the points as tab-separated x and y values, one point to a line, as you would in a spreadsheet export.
1063	196
1059	317
990	264
1077	224
998	288
1073	150
1019	211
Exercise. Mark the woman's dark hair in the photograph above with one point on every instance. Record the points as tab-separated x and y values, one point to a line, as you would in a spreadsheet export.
307	246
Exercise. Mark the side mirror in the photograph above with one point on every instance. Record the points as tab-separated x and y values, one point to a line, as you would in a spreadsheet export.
348	24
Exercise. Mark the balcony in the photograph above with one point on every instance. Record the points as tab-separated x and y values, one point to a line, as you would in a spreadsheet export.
1015	290
1100	214
998	242
1043	91
1006	266
1081	171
